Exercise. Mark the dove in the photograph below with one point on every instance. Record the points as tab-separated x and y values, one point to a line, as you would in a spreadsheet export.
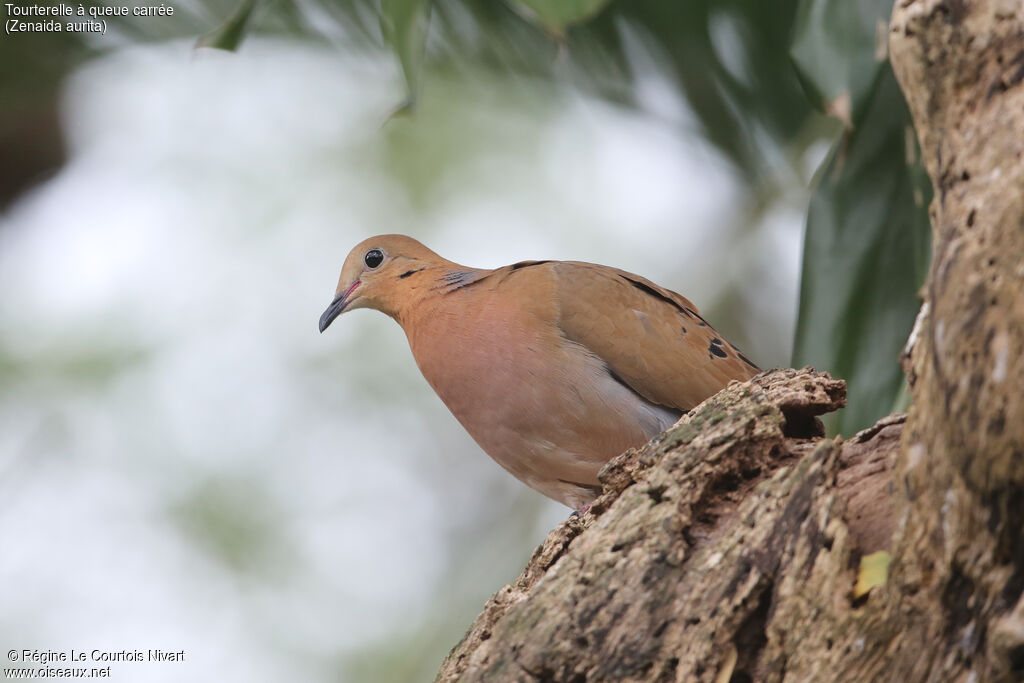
553	367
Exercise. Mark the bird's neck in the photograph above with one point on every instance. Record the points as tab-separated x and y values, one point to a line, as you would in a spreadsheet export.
434	291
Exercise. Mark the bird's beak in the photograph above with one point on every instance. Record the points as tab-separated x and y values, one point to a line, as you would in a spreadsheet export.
337	307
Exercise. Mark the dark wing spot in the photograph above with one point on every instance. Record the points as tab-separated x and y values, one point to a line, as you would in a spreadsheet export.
527	264
647	289
716	349
683	328
409	272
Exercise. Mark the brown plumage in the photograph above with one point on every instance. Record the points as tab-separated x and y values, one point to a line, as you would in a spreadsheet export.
553	367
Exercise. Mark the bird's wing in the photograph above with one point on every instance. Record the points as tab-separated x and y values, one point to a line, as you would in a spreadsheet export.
652	339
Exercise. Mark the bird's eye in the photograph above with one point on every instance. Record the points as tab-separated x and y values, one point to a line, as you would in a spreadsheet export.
373	258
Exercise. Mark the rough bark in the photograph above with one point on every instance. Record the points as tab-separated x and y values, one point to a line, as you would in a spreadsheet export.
961	472
729	549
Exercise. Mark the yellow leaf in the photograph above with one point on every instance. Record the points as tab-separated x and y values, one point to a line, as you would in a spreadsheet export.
874	571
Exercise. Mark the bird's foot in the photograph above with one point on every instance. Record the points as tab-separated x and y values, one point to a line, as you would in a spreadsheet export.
581	511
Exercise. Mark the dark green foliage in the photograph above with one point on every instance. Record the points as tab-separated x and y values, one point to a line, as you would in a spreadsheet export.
865	254
866	246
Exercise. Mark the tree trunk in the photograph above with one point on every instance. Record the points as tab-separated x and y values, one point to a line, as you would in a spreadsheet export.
730	549
959	568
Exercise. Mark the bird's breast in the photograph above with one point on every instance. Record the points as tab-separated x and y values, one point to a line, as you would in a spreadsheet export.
484	359
543	407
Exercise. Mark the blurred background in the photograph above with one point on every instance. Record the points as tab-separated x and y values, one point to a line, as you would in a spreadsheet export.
186	464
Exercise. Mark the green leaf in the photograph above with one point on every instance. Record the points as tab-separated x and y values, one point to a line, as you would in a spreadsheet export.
866	245
230	34
866	250
838	49
404	24
874	571
555	16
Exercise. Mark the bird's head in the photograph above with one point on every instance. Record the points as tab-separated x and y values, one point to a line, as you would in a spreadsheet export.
378	274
